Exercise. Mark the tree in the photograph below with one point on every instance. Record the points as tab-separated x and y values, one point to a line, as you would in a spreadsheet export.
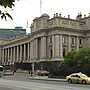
79	61
83	58
5	4
70	58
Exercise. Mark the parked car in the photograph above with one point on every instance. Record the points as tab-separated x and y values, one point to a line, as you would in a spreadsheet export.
1	70
78	78
8	72
42	72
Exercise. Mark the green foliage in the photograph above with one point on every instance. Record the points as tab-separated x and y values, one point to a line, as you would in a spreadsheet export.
83	56
74	61
78	61
70	58
5	4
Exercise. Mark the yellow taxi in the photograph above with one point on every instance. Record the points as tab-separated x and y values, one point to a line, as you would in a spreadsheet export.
78	78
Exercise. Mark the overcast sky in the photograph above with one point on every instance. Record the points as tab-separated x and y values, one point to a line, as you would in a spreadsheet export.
27	10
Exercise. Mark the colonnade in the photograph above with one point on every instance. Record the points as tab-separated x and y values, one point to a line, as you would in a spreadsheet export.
37	49
19	53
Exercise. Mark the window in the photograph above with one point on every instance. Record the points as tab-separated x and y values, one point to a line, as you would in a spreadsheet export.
73	40
51	53
64	39
64	51
73	75
80	41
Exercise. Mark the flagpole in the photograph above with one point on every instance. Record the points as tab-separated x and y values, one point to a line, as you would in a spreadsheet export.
40	7
27	25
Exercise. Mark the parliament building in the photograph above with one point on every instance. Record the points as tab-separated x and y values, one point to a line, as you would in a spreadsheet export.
50	40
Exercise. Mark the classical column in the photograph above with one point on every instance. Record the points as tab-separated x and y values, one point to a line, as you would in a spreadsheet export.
5	55
20	52
14	59
44	41
8	56
31	50
11	55
69	43
17	53
61	46
34	48
53	46
28	51
24	52
57	50
77	43
8	53
36	45
43	47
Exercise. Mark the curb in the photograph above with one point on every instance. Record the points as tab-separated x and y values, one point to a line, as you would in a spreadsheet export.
47	79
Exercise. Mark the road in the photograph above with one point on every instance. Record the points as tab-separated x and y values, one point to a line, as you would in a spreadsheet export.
21	82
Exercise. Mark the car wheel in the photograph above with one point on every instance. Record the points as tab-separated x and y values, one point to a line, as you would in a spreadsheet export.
84	82
69	80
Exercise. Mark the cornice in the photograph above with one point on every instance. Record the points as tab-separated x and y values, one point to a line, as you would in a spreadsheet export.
63	28
46	31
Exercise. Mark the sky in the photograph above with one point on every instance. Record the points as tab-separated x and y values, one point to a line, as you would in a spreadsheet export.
26	10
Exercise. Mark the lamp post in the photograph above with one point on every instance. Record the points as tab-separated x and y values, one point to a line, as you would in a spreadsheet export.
32	73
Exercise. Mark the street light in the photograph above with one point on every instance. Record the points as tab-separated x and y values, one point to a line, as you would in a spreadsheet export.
32	73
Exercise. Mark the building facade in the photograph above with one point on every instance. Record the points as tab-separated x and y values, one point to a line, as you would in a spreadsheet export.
50	40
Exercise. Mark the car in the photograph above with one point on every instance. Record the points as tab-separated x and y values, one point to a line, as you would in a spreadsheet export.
8	72
42	72
78	78
1	70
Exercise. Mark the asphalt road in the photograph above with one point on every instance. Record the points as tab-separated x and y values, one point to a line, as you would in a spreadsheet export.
6	88
21	82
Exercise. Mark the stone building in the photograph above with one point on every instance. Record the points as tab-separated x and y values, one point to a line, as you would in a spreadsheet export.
50	40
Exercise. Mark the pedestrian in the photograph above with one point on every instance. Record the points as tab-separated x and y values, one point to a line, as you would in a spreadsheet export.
13	72
31	73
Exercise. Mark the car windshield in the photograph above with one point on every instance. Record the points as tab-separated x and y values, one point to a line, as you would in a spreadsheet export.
82	75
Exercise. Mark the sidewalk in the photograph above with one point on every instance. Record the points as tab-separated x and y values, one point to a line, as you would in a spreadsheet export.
46	78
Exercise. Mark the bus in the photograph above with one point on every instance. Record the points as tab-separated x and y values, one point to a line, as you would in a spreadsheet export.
1	70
